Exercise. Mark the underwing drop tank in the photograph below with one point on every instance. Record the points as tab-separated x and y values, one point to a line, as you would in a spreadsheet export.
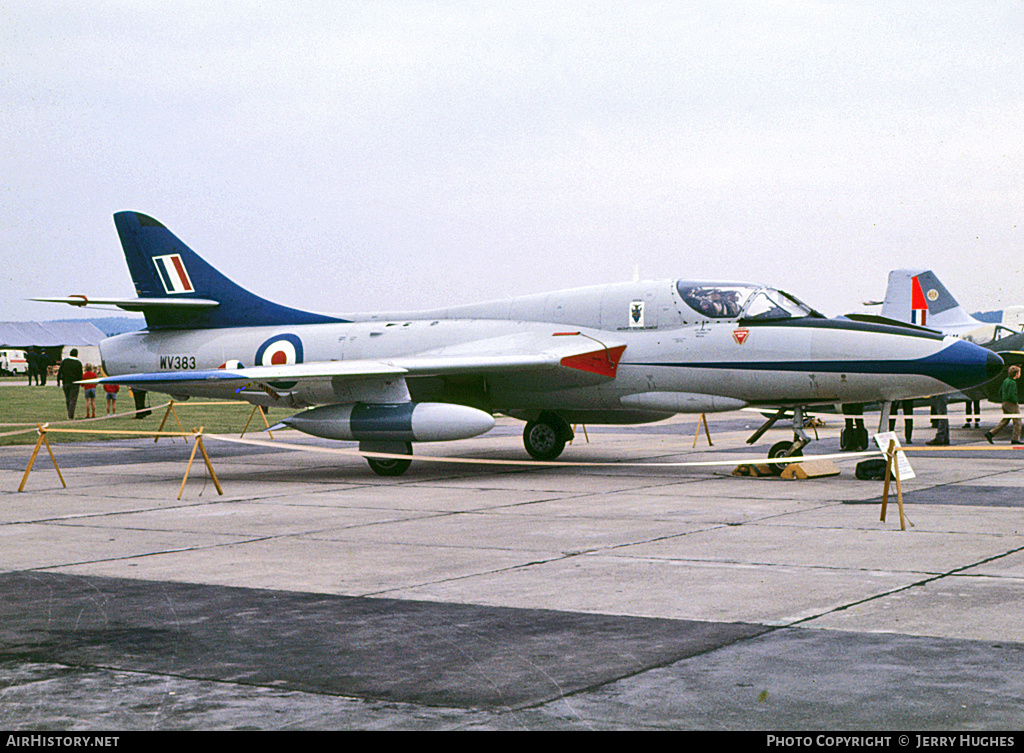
400	422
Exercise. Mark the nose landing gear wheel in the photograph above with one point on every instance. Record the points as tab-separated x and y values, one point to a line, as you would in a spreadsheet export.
781	450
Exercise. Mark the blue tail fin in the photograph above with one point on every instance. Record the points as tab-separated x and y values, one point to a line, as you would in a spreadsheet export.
164	270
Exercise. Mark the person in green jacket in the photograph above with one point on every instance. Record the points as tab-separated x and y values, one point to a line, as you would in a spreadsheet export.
1008	396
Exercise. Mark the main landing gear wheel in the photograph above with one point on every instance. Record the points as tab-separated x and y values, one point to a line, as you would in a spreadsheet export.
389	466
545	437
781	450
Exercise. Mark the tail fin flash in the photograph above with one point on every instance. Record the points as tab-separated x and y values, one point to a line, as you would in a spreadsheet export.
178	289
916	296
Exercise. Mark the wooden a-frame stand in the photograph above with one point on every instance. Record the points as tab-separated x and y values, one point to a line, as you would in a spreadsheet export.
703	419
31	461
262	415
206	458
198	434
584	426
168	412
892	468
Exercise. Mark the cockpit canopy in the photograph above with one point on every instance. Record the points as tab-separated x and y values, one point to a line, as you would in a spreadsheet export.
737	301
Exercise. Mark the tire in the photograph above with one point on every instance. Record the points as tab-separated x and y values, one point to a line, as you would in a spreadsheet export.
778	450
863	440
854	439
844	440
391	466
543	439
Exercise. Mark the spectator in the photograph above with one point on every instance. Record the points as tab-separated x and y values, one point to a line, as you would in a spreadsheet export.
68	376
89	390
1008	395
111	390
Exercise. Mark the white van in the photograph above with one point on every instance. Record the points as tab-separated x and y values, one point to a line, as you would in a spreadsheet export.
13	362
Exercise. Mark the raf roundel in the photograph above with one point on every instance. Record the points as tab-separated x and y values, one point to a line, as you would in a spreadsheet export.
280	350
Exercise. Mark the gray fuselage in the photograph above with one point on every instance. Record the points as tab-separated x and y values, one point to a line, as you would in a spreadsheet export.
676	358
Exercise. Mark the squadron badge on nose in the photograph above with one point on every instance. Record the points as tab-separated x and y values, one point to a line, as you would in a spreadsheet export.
636	314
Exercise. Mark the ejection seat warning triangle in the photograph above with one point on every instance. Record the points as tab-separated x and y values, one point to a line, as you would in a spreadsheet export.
903	465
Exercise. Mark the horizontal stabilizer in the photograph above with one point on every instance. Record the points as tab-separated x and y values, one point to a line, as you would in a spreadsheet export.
134	304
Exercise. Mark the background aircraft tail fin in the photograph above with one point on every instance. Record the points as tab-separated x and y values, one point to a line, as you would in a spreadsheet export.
180	290
916	296
1013	318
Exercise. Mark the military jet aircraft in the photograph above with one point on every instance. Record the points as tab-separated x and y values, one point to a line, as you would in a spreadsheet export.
615	354
917	296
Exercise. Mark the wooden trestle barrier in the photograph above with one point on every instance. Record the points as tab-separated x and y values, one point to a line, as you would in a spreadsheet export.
196	434
703	419
31	461
263	416
209	466
170	411
892	468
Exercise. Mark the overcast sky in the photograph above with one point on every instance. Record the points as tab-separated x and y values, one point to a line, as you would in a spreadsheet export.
346	156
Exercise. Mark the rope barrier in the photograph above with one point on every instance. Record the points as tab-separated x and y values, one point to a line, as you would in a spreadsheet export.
545	463
198	434
123	414
961	447
127	413
913	417
51	426
19	431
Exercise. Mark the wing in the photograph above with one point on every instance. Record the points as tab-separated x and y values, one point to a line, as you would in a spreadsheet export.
565	359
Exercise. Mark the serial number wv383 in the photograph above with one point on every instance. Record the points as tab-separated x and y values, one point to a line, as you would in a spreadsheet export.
177	363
